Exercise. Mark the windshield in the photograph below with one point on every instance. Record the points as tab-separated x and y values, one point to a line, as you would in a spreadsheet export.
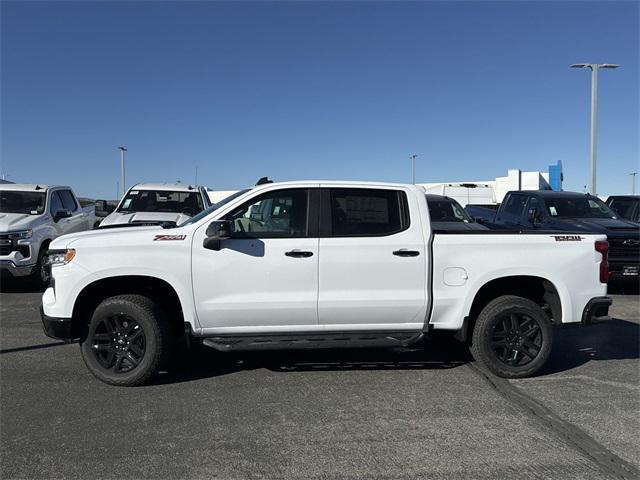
161	201
623	206
578	207
214	207
447	211
31	203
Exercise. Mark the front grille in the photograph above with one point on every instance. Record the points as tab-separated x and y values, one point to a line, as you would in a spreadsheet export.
617	248
7	249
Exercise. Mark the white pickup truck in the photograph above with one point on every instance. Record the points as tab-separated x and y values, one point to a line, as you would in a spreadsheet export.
158	202
318	264
31	216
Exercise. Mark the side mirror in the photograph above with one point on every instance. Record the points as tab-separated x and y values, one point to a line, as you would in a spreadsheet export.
217	231
534	217
103	208
60	214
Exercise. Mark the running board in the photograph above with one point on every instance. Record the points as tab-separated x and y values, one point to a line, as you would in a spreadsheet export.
228	343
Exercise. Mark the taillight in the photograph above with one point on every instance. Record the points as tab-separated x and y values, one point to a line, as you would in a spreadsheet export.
603	248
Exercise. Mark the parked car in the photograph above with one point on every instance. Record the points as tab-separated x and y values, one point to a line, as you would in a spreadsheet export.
574	212
158	202
312	265
446	214
626	206
31	216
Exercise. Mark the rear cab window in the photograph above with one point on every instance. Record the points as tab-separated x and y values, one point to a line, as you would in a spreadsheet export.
363	212
515	205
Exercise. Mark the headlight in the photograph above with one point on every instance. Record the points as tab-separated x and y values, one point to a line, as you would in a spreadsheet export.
60	257
20	235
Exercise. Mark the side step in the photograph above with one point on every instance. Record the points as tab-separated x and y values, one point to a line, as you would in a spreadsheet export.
234	343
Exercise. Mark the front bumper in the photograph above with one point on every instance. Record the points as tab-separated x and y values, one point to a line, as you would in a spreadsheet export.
596	310
15	270
58	328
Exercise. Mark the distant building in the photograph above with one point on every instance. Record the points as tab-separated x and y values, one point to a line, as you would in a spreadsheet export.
484	192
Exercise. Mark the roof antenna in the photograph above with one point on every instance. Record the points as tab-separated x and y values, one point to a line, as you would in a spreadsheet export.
263	180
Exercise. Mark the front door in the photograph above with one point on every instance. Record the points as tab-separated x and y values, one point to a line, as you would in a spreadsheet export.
264	278
372	261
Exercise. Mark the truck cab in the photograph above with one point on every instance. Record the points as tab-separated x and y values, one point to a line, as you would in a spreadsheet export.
158	202
31	216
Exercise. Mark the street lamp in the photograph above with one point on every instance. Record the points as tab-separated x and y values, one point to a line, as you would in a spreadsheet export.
594	105
122	150
633	182
413	168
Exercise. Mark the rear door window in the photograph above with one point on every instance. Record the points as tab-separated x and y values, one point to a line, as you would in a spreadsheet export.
362	212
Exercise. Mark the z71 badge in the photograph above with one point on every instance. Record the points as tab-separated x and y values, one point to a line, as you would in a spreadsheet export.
567	238
168	237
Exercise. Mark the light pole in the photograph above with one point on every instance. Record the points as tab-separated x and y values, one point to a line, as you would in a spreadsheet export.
122	150
633	182
413	168
594	107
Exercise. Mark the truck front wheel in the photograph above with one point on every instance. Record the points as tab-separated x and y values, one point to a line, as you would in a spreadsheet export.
512	337
127	342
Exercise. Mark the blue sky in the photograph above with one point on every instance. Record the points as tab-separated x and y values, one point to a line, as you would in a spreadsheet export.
314	90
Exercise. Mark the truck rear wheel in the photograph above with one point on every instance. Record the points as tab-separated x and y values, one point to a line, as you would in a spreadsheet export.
512	337
127	342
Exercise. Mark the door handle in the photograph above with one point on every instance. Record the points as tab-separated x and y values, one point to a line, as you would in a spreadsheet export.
298	254
403	252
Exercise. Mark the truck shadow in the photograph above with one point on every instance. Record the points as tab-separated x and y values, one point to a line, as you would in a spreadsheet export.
202	362
18	285
613	340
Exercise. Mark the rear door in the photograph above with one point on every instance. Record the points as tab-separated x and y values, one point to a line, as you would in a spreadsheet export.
372	268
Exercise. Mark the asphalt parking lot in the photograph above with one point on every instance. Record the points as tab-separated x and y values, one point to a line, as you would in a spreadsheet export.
418	413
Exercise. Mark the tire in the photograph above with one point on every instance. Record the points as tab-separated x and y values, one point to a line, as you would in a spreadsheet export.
505	350
127	342
38	278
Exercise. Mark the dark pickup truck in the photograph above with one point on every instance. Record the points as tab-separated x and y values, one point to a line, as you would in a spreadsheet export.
568	212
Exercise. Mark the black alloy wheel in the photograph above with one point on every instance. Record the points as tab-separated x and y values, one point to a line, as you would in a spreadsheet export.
118	343
127	341
512	337
516	339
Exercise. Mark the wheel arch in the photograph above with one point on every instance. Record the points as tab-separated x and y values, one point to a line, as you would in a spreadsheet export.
157	289
538	289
